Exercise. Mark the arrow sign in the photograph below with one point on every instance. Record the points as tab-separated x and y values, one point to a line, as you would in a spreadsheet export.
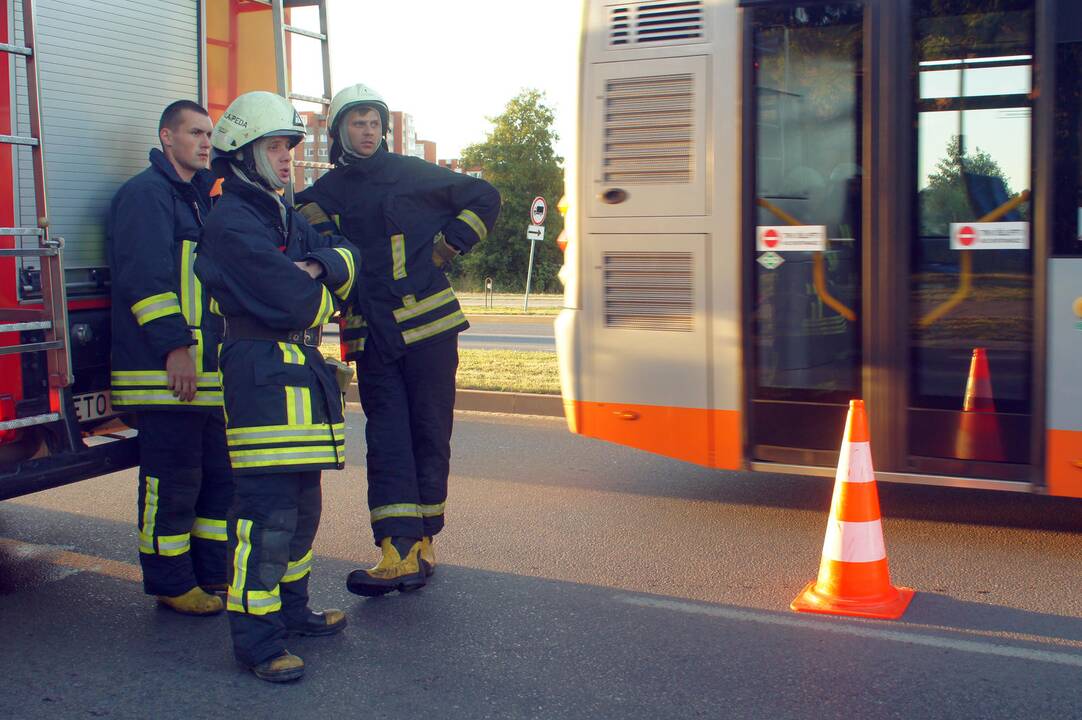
535	232
538	210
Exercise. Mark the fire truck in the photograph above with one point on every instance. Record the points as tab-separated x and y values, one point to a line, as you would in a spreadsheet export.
84	83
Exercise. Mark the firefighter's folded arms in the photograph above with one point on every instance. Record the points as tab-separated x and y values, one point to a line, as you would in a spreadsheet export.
276	281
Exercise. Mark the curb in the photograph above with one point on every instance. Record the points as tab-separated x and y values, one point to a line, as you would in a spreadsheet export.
497	402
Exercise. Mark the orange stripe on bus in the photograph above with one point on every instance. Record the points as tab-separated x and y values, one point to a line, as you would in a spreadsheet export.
705	437
1064	460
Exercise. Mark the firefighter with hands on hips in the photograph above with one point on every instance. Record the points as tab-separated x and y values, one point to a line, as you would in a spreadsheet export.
409	219
165	366
276	281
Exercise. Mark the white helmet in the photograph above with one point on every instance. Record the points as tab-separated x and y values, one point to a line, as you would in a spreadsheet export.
353	96
254	115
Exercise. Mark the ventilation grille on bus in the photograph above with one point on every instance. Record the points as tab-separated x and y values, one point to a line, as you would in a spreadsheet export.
655	23
649	291
649	125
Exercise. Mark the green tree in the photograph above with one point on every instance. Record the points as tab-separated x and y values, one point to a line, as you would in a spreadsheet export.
519	158
946	199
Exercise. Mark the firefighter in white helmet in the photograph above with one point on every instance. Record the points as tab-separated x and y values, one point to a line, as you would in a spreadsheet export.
276	281
409	219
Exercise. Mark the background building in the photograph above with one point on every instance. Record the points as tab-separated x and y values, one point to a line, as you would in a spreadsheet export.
315	149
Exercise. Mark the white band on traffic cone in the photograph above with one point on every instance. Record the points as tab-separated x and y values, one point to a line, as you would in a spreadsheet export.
854	541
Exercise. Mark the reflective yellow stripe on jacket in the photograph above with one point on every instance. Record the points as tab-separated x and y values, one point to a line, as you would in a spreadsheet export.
156	306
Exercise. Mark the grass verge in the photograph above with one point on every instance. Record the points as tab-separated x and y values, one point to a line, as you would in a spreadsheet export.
508	310
508	371
502	370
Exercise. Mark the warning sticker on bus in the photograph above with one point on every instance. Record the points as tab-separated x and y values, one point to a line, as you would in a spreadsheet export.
791	238
990	236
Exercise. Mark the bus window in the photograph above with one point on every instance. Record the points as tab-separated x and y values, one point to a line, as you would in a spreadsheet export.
973	111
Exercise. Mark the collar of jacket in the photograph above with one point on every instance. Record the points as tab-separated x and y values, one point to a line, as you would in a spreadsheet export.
380	162
264	203
202	181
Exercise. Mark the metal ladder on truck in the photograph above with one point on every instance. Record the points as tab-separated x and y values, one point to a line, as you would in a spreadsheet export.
68	459
281	29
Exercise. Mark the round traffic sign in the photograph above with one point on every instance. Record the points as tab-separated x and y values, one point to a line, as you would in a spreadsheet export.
966	236
538	210
771	238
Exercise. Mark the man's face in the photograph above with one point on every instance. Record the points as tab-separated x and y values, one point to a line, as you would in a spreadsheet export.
188	144
280	159
365	131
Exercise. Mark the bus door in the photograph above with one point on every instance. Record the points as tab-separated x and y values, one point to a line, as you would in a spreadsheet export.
929	318
803	90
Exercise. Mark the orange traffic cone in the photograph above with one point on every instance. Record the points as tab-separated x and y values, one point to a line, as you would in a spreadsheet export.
978	430
853	577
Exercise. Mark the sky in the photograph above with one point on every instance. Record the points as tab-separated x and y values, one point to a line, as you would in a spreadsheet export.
451	65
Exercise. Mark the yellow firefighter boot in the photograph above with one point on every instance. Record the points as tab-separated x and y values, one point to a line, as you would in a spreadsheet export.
399	569
193	602
281	668
428	556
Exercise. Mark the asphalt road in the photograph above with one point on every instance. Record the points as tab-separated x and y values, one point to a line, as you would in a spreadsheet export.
513	332
577	580
501	332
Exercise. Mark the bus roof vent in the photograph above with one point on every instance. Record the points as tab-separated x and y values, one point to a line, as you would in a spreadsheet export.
655	23
649	129
649	291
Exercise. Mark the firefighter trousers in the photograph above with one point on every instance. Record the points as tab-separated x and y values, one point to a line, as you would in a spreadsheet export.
185	489
409	405
271	528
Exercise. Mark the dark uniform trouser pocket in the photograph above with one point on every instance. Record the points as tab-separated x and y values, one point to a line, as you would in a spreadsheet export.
271	528
185	489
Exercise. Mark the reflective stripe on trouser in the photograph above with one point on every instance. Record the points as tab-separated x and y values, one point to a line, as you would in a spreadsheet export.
274	521
409	406
185	488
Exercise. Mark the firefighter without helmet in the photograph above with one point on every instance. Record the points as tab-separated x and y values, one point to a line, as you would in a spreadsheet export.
254	115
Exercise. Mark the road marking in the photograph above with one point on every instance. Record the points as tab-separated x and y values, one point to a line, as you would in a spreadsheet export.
970	646
73	560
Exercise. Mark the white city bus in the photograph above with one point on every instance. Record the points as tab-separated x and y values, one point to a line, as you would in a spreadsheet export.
775	207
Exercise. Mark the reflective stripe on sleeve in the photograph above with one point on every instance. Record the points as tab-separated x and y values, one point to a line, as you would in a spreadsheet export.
430	303
353	346
342	291
398	254
210	529
156	306
395	511
326	309
434	328
297	569
854	541
159	379
470	218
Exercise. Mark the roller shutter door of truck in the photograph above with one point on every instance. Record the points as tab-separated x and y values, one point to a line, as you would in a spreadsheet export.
108	68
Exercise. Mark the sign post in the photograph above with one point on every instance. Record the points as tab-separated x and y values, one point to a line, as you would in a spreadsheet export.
534	232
